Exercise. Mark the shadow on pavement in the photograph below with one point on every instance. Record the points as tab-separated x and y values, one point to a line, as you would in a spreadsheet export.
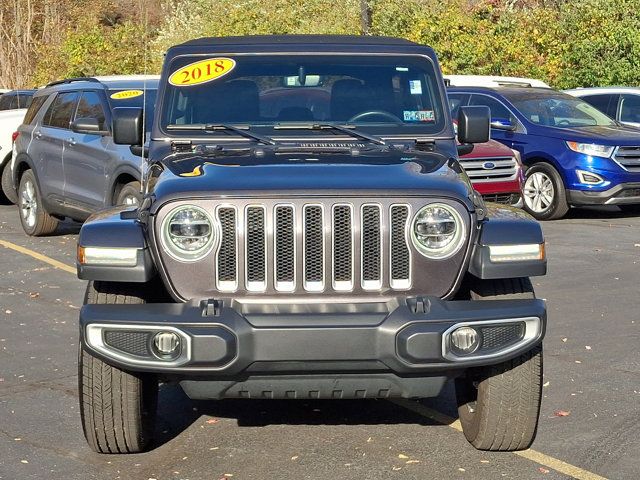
177	412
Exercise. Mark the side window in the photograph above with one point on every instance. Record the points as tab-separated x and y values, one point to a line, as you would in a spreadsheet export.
35	106
61	110
630	108
606	103
456	100
24	100
5	102
90	106
498	110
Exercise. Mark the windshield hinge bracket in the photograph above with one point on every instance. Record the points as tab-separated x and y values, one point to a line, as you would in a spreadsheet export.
181	146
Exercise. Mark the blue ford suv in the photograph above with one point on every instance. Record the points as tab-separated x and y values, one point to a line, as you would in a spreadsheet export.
574	154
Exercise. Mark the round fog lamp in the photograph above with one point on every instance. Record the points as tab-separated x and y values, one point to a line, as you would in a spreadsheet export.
166	345
464	340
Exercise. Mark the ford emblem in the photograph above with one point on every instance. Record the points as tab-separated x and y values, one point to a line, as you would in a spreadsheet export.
488	165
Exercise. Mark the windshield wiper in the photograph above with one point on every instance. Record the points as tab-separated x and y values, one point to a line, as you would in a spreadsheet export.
348	129
212	127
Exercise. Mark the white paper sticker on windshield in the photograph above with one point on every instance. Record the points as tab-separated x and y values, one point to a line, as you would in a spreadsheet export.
419	116
415	87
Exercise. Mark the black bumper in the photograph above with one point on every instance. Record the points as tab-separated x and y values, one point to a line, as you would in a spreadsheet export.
400	337
621	194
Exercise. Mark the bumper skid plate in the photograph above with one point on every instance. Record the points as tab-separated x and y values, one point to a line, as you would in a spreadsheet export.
400	337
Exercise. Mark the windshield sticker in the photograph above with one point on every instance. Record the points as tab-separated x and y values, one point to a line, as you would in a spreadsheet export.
202	71
415	87
419	116
125	94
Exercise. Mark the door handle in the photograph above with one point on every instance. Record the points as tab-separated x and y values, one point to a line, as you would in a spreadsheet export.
71	141
38	134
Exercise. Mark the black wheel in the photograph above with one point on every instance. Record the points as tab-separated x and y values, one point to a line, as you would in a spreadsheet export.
117	408
129	194
8	194
544	194
499	405
634	209
35	220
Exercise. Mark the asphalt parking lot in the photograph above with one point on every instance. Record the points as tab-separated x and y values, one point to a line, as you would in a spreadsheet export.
588	428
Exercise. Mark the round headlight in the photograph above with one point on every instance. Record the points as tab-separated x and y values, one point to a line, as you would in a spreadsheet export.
437	231
188	233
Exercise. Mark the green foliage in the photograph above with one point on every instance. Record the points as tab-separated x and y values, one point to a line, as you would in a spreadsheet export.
568	44
603	43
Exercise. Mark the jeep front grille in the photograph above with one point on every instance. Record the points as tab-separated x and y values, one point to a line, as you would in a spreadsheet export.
314	249
481	170
628	158
310	248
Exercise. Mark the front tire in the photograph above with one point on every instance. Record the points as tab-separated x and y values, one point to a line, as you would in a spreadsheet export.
35	220
499	405
544	195
117	408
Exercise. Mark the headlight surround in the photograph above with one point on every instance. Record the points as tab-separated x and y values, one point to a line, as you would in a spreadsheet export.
188	233
592	149
437	231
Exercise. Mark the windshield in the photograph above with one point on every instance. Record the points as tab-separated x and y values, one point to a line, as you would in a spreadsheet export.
382	94
559	110
133	97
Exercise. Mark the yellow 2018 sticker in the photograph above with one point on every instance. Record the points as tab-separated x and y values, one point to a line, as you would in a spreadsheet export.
126	94
202	71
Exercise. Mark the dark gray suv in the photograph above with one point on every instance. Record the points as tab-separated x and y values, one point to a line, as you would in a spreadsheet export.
65	161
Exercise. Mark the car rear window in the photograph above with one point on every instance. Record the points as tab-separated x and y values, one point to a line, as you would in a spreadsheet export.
34	108
61	110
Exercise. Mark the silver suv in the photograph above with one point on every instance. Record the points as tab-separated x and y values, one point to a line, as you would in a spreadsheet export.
65	161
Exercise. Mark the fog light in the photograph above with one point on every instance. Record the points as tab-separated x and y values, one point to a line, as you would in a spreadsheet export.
464	340
166	345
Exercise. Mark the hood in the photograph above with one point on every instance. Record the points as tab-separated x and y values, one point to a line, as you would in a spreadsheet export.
309	173
490	149
613	135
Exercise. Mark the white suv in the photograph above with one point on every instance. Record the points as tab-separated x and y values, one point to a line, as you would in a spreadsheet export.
620	103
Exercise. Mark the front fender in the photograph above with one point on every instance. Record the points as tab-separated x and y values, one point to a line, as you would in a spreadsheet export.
507	226
116	227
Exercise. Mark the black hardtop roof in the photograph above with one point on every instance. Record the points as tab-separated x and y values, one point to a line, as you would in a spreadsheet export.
298	39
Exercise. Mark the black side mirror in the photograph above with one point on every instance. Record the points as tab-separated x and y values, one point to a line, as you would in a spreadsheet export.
88	126
473	124
507	124
127	126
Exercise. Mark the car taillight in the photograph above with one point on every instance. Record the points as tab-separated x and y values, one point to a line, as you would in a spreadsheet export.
14	136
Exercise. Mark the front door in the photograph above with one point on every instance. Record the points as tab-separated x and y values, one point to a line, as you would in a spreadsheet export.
86	158
50	136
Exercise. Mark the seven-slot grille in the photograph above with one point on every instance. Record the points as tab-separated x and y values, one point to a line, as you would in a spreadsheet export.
482	170
628	158
313	248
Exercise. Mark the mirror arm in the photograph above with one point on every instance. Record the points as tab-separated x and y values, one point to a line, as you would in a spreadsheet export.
465	149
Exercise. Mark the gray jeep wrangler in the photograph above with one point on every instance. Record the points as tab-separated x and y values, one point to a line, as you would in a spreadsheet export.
307	232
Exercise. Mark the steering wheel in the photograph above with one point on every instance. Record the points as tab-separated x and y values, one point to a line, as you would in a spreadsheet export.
370	113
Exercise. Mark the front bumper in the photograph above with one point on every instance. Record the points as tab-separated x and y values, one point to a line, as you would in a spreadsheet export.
621	194
400	336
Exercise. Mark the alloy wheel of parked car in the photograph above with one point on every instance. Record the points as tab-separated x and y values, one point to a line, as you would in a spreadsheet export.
539	192
33	216
28	204
543	193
